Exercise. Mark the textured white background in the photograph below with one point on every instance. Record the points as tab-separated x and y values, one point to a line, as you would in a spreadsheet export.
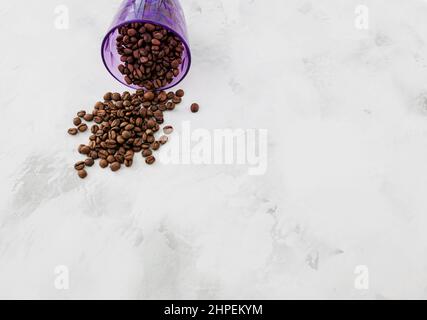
346	111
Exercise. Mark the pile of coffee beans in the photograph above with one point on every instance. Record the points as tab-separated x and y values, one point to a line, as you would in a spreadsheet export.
125	124
151	55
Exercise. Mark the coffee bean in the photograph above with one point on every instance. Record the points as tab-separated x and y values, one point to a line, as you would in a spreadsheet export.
151	55
84	150
115	166
89	162
180	93
83	127
126	124
103	163
99	105
149	96
150	160
168	129
93	155
108	96
126	135
79	165
81	114
147	153
82	174
155	145
88	117
73	131
195	108
163	140
77	121
131	32
176	100
151	124
111	159
121	140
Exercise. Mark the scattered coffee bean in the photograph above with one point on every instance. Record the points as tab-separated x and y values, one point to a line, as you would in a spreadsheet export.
103	163
125	124
155	146
180	93
151	55
77	121
88	117
83	127
168	129
150	160
84	150
147	153
164	140
79	165
89	162
82	174
195	108
73	131
108	96
115	166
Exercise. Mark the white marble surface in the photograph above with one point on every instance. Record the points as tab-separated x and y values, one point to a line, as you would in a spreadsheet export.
346	111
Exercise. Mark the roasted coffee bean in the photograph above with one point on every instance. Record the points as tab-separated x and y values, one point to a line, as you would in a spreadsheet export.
103	163
111	159
151	55
79	165
151	124
108	96
99	105
127	123
88	117
97	120
155	145
147	153
116	96
149	96
180	93
150	160
115	166
94	129
177	100
163	140
84	149
81	114
89	162
195	108
73	131
93	155
168	129
83	127
126	135
82	174
77	121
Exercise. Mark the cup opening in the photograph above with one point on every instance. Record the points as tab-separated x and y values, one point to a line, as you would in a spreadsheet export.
111	60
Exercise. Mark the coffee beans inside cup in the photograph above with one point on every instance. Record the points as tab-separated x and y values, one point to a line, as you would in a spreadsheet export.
124	125
151	55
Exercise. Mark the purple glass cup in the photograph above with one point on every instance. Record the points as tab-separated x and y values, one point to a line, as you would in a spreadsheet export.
166	13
